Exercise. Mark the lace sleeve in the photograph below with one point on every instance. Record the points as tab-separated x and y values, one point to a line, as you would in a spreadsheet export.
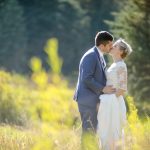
122	77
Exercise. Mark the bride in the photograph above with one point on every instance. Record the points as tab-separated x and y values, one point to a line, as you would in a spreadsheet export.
112	111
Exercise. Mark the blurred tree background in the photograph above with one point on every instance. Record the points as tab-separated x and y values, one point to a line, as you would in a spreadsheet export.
26	25
133	23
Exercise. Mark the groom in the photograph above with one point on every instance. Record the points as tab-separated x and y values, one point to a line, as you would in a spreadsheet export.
92	82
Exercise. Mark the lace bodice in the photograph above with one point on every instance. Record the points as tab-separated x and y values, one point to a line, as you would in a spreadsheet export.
116	75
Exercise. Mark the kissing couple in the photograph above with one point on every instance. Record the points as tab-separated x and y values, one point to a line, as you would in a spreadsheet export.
99	93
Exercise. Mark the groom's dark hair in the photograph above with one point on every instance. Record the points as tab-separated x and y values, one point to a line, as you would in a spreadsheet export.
103	37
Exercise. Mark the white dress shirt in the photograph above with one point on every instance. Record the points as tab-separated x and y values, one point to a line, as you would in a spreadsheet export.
101	56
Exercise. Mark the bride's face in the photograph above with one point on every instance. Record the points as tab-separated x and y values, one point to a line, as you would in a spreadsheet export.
115	51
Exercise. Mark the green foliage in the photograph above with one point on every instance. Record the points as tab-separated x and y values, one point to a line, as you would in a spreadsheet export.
132	22
98	11
43	103
12	100
22	101
26	25
48	112
53	59
50	116
39	76
43	98
137	131
13	38
59	136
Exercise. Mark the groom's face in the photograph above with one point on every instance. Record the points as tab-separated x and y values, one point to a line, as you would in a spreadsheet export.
108	47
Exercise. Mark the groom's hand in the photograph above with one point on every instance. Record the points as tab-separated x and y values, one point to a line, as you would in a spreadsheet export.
108	89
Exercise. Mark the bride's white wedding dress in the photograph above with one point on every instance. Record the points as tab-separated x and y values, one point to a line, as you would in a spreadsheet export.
112	111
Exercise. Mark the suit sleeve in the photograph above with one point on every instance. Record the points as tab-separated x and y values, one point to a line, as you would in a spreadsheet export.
87	72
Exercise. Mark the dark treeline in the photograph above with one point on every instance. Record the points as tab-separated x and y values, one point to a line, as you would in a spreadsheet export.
26	25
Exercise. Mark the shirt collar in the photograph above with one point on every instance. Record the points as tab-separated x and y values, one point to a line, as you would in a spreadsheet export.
100	52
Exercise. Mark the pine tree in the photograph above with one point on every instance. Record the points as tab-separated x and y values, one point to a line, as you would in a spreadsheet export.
12	35
132	22
64	20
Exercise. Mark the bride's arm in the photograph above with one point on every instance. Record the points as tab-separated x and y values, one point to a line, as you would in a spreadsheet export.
122	80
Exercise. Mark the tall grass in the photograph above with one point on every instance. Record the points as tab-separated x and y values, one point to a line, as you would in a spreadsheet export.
51	118
137	131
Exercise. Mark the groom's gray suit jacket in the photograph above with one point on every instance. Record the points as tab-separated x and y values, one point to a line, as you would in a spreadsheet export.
91	79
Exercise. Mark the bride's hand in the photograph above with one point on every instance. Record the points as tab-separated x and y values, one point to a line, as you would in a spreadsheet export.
119	92
108	89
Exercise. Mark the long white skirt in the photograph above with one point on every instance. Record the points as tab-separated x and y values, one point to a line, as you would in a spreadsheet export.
111	119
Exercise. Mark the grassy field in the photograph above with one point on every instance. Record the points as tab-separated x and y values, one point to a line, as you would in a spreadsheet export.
38	113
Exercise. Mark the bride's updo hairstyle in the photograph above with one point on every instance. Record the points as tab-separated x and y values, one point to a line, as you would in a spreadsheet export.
123	46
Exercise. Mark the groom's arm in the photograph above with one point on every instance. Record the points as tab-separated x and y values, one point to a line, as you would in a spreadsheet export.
87	74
